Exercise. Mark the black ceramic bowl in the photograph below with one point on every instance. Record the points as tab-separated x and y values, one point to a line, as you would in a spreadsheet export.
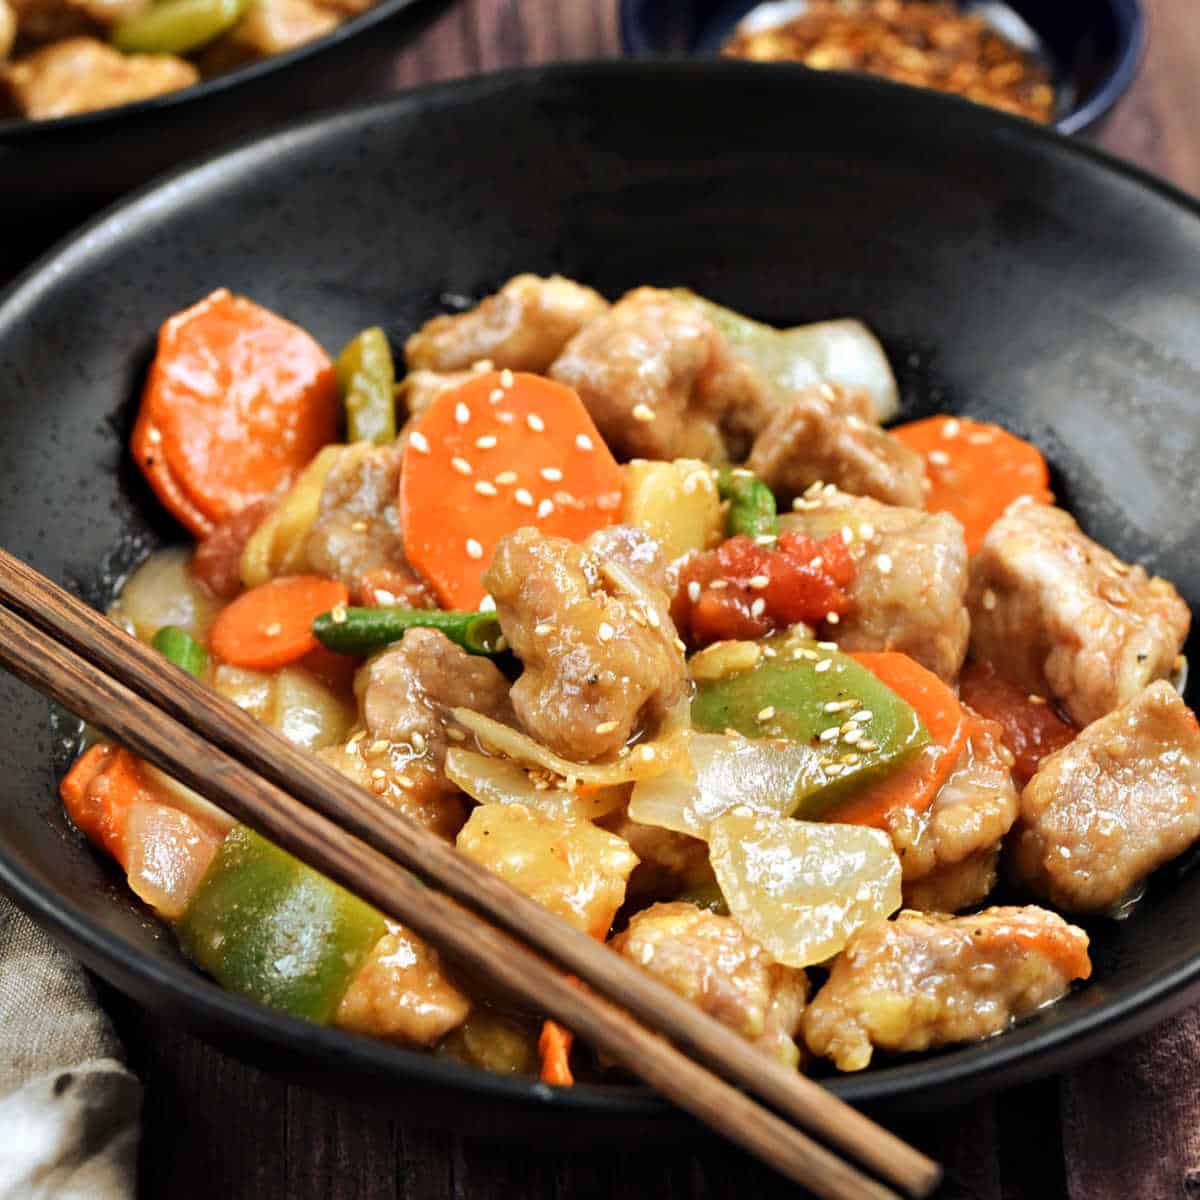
1093	47
54	173
1012	274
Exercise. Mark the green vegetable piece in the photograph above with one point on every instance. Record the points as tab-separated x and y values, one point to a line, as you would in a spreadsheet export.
793	695
365	630
366	378
177	26
266	926
182	649
751	503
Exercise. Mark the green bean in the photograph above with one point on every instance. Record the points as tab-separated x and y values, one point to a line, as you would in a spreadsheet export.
177	26
751	503
366	380
365	630
182	649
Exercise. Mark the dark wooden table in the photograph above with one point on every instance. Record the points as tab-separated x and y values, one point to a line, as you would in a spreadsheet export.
215	1128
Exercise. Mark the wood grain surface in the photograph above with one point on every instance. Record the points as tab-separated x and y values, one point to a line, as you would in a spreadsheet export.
215	1128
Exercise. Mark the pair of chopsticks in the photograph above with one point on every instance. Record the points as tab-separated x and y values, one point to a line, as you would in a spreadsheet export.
64	649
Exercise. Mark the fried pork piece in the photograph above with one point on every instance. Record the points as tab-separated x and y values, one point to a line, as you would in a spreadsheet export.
829	434
357	530
1067	618
524	327
81	74
924	980
910	578
572	868
419	389
631	548
402	993
949	852
600	661
269	27
660	381
1122	799
670	863
708	960
405	694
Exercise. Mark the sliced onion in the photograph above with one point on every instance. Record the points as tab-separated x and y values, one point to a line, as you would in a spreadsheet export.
501	781
174	794
163	591
801	888
167	853
726	771
846	352
667	752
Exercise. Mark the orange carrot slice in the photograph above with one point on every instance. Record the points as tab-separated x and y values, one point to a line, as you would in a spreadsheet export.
975	470
99	791
236	403
554	1045
916	781
502	451
271	625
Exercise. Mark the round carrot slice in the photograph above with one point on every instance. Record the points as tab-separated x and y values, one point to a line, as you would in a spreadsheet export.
237	401
975	470
271	625
502	451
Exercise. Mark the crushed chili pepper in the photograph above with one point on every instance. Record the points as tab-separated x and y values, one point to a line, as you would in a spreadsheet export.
744	590
929	45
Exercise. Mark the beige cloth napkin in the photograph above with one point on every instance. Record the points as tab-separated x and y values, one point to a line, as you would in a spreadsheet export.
69	1111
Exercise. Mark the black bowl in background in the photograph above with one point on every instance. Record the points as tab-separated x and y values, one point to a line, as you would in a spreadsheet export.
54	173
1011	274
1094	46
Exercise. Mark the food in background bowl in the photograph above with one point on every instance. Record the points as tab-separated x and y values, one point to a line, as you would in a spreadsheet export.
61	57
552	618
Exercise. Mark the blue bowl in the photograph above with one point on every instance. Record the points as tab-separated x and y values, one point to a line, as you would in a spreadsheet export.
1093	46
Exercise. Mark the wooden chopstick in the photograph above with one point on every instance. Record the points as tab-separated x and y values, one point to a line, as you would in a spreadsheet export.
219	723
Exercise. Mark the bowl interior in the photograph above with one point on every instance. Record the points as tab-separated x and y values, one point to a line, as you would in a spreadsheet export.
1011	275
1092	46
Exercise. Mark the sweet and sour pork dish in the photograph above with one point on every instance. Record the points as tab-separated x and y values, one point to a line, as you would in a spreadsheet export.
641	606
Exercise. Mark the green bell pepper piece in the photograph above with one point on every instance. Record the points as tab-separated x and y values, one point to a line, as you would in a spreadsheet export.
751	503
366	378
177	26
793	695
182	649
266	926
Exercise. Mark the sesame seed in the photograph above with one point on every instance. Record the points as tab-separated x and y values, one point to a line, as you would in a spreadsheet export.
864	716
583	442
274	629
718	584
1034	698
758	607
864	745
693	591
829	489
980	439
646	752
827	645
606	726
884	563
866	531
418	741
765	714
770	652
487	604
462	414
852	735
831	618
542	628
404	782
654	620
358	737
506	378
814	489
506	477
643	412
605	632
487	442
495	395
765	539
816	563
523	498
376	747
155	435
378	773
418	441
810	655
339	614
823	665
535	422
545	508
939	457
742	473
758	582
951	428
830	734
505	418
474	549
486	489
359	526
849	759
461	465
680	645
551	474
988	599
837	706
382	596
847	534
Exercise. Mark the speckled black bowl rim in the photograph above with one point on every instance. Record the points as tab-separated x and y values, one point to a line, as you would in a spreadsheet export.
1129	16
930	1081
18	129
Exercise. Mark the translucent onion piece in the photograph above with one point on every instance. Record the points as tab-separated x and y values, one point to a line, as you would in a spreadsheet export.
501	781
173	794
168	853
296	704
667	752
801	888
162	591
727	771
